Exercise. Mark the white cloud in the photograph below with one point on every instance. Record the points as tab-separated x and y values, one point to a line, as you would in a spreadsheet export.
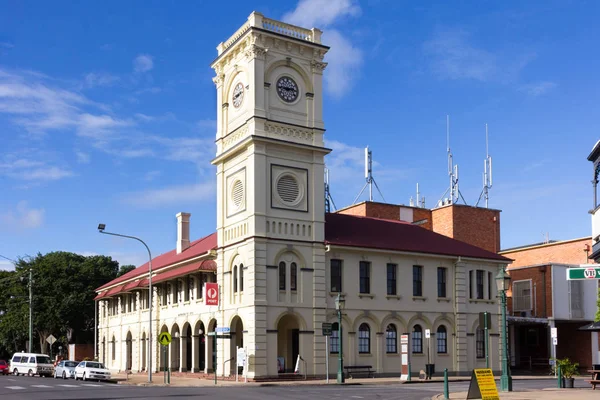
82	158
180	194
24	217
94	79
99	126
6	265
27	170
143	63
6	45
344	58
321	13
538	89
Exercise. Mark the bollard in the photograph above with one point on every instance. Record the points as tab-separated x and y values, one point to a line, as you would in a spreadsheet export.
169	376
559	382
408	377
446	390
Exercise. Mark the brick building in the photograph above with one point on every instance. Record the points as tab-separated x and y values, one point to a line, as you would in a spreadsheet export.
542	298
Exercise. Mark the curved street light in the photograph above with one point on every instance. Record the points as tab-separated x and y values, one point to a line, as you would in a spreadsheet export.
101	228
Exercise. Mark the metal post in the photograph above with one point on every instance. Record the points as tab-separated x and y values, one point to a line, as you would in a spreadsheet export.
505	380
30	311
446	390
340	374
559	380
487	343
95	330
327	359
408	376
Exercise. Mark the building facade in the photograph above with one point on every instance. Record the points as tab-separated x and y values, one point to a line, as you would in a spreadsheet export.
280	260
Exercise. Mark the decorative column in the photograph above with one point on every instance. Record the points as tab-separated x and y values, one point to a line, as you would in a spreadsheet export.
380	353
183	367
195	353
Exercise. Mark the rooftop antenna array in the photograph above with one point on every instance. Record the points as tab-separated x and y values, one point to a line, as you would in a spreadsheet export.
420	200
369	177
487	173
328	198
455	193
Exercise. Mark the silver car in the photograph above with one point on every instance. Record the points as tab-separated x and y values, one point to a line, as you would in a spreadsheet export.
65	369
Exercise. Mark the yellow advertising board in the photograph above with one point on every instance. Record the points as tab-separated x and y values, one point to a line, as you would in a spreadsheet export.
483	385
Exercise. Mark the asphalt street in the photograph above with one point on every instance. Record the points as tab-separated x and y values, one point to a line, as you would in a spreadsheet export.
25	388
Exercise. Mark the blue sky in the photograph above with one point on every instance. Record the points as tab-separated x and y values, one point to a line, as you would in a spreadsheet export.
107	112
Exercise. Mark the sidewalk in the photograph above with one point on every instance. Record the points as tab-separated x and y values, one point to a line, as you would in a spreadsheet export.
158	380
546	394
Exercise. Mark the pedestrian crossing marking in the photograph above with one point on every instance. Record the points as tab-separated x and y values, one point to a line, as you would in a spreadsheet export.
71	386
41	386
90	384
15	387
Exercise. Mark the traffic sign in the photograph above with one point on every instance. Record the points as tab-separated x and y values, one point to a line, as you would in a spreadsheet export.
212	294
164	338
326	329
583	273
427	333
223	329
553	332
51	339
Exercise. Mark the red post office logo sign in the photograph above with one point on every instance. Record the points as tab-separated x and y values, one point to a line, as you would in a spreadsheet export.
212	294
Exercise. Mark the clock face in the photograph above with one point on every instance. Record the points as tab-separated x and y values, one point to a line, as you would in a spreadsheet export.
238	95
287	89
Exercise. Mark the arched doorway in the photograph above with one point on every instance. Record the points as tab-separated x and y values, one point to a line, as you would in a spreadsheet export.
237	340
128	351
199	335
143	350
186	337
211	347
164	350
288	343
175	355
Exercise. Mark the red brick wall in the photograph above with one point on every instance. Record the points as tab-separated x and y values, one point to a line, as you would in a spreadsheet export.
358	210
537	278
441	219
420	214
388	211
477	226
383	211
568	252
576	345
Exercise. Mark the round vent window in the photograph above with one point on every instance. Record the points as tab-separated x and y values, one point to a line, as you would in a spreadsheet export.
288	189
237	193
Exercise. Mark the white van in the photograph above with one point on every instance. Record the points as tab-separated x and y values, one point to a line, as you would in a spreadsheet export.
31	364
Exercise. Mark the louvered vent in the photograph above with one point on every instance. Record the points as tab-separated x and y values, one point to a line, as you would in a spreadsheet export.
288	189
238	193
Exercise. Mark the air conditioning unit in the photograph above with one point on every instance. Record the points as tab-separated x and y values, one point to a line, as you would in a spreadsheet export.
526	313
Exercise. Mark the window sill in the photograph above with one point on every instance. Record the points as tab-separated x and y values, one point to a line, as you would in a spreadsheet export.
185	303
365	355
334	294
393	296
418	355
368	295
443	355
421	298
444	300
392	354
482	301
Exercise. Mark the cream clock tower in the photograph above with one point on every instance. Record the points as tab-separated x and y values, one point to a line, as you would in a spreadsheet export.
270	196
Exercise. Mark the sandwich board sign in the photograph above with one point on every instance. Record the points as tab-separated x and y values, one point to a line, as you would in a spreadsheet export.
483	385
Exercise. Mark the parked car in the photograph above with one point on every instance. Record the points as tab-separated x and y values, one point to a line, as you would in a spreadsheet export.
91	370
65	369
4	368
31	364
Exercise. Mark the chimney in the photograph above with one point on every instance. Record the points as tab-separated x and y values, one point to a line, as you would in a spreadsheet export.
183	231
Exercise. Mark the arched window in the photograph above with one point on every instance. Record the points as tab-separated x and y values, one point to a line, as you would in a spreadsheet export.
241	277
282	276
293	276
235	279
114	348
442	339
334	340
391	339
364	339
417	339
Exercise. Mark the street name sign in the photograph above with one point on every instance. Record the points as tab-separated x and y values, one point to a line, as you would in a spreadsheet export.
223	329
164	338
326	329
583	273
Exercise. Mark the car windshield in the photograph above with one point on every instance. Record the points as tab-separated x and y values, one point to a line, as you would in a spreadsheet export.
70	364
43	360
2	362
95	365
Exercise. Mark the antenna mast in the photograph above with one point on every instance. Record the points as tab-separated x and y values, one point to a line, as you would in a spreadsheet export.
487	173
455	193
328	198
369	177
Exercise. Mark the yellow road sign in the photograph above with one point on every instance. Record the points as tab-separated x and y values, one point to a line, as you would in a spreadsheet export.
164	338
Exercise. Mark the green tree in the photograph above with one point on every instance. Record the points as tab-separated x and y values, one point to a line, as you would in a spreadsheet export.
63	298
125	269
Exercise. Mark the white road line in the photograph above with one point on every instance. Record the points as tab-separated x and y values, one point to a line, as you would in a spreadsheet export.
14	387
91	384
71	386
41	386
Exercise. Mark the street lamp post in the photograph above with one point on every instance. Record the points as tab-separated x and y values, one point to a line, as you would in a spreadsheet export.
339	306
503	282
101	228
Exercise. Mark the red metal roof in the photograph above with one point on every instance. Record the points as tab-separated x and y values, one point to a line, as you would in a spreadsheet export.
208	265
354	231
101	295
198	247
114	290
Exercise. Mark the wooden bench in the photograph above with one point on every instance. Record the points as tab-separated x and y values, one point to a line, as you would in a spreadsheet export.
359	369
595	378
594	383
